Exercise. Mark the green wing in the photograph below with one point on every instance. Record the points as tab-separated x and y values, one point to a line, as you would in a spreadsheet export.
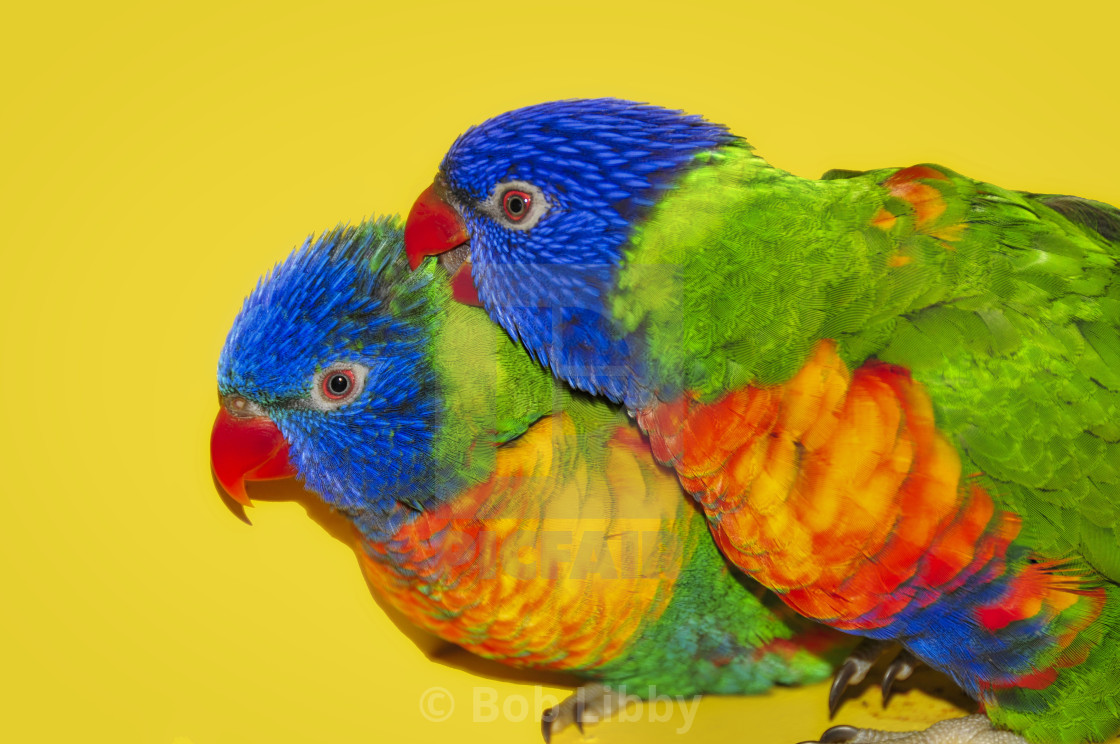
1025	374
1005	304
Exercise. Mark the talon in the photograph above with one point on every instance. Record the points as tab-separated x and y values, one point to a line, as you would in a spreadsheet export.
838	734
901	668
840	683
589	704
546	724
853	670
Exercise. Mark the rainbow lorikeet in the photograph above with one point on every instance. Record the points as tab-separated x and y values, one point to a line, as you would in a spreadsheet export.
896	393
492	507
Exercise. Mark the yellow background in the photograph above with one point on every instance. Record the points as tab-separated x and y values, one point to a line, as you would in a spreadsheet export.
157	157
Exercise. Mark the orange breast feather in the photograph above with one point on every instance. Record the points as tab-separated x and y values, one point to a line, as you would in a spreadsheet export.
557	561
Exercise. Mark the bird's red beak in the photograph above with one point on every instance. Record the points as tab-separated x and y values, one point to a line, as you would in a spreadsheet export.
244	448
434	227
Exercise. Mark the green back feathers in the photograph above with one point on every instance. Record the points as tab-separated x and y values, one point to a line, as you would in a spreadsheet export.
741	269
1006	305
1103	219
1025	371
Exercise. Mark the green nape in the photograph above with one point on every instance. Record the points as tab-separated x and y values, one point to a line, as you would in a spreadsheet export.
712	636
492	389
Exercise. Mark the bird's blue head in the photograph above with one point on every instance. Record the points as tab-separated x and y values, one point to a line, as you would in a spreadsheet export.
326	374
539	204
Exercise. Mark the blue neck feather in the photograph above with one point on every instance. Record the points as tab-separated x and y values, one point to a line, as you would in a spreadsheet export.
601	164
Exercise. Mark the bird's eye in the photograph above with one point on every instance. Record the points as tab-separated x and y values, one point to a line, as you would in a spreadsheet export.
338	384
516	204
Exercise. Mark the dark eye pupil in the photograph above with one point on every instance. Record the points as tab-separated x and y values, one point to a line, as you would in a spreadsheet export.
516	205
339	384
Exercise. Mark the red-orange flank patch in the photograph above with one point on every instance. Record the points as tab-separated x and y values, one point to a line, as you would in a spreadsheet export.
834	488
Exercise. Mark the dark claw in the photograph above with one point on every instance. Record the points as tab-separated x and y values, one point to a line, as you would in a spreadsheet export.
854	669
901	668
546	724
838	734
577	714
840	683
888	682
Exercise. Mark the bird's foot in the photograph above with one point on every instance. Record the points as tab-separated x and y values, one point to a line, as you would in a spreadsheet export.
968	730
589	704
855	668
